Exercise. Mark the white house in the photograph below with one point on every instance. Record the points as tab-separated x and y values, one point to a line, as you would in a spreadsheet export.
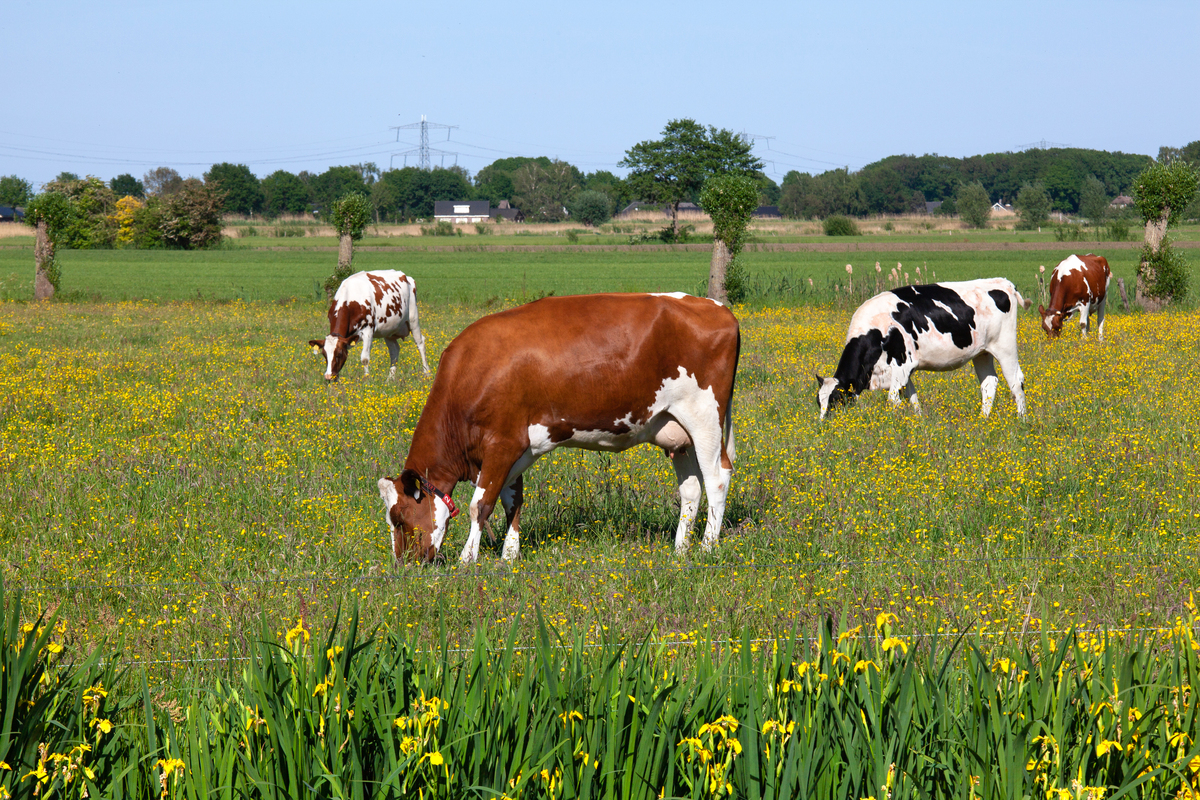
461	212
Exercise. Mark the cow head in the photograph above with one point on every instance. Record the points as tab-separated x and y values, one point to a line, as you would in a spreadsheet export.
1052	321
334	348
416	518
832	393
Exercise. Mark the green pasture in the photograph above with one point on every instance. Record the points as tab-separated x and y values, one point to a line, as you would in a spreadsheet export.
479	277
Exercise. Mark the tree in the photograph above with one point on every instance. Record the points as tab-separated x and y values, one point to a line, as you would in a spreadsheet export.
590	207
92	224
612	186
66	177
51	214
1033	204
335	183
126	185
1093	200
162	181
191	216
242	190
14	191
284	193
349	216
542	192
730	200
974	205
884	191
674	168
1161	193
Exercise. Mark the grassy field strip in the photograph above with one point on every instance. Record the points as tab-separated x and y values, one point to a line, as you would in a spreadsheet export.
174	474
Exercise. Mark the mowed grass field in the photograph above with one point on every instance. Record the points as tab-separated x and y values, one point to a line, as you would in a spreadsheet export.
174	470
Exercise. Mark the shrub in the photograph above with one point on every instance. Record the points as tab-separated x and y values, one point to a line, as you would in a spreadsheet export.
573	237
1118	229
590	207
441	228
1068	232
483	229
840	225
974	205
191	217
1172	276
737	281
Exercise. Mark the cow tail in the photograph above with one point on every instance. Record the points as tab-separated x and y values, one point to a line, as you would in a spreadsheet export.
730	448
1021	301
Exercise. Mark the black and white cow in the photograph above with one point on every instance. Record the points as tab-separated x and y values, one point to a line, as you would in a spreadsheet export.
368	305
938	327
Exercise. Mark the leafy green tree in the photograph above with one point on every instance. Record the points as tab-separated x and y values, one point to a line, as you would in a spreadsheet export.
730	200
884	191
92	225
162	181
1161	193
66	177
191	216
51	214
835	191
349	215
242	189
284	193
1033	205
1093	200
768	190
674	168
334	183
542	192
495	181
590	207
14	191
612	186
125	185
974	205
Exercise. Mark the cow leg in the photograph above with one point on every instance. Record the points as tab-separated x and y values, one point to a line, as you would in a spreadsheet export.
1100	318
512	497
414	326
365	358
910	392
1014	377
687	473
394	352
985	371
1083	320
702	422
499	470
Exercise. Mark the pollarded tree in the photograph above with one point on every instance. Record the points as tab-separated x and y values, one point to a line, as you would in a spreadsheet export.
674	168
349	214
974	205
730	200
51	214
1033	204
1161	193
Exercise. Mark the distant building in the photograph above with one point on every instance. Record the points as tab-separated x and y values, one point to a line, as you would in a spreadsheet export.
767	212
932	206
1002	209
10	214
461	212
1121	201
507	212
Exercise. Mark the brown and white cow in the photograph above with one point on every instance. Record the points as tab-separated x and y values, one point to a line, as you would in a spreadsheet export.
1079	283
937	327
380	303
598	372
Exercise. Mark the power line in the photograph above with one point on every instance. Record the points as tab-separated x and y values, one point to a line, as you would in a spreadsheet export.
423	150
1041	145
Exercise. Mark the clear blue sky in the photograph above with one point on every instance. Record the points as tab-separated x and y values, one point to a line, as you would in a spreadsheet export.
113	87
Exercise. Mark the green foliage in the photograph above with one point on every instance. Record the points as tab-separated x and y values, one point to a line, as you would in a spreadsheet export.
284	193
190	218
590	207
730	200
441	228
334	183
411	192
61	216
162	181
14	191
840	225
90	224
1033	205
1067	232
836	191
125	185
1093	201
1164	191
1118	229
485	228
974	205
350	214
675	167
241	188
1170	270
542	193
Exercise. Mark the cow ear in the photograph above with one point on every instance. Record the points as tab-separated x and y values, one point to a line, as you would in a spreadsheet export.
820	380
410	483
1041	310
316	342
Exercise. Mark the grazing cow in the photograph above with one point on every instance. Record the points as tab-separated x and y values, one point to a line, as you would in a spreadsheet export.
380	303
598	372
1079	283
937	327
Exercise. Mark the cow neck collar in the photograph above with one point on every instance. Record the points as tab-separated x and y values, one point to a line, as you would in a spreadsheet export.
439	494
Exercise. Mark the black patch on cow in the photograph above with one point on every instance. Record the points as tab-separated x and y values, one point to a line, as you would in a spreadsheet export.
893	345
858	361
918	311
1001	300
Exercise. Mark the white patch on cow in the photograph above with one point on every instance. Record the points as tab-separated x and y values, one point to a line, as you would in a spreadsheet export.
470	551
512	538
539	440
824	392
1070	264
676	295
441	518
945	308
389	496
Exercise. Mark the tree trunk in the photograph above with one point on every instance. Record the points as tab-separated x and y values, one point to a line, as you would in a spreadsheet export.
716	272
675	225
1156	230
345	252
43	258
